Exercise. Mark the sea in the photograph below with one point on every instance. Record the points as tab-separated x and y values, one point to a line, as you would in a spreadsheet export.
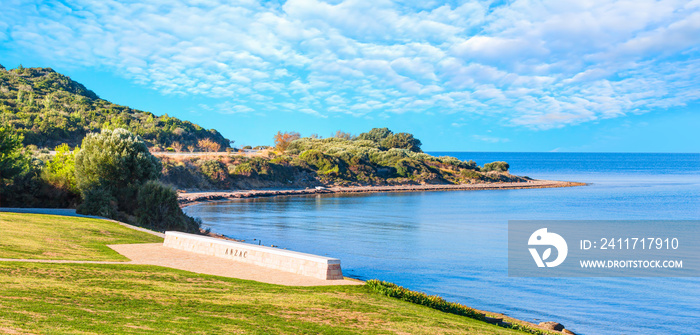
454	243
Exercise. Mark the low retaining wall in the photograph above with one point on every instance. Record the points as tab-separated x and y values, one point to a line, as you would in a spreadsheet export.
284	260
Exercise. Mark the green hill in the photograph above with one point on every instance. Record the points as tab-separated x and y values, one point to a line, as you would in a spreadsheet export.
50	108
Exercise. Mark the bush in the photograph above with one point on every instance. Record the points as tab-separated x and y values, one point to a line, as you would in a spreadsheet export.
323	163
432	301
496	166
60	169
402	141
13	160
375	135
158	209
214	170
117	161
98	201
471	174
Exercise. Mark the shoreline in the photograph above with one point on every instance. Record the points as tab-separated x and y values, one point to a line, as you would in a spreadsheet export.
193	198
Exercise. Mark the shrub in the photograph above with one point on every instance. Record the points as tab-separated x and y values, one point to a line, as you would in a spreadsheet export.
214	170
113	159
401	141
13	160
253	167
440	304
496	166
375	135
323	163
404	168
471	174
60	169
117	161
432	301
158	209
98	201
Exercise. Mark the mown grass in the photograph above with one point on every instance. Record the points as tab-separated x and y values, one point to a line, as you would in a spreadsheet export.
101	299
34	236
49	298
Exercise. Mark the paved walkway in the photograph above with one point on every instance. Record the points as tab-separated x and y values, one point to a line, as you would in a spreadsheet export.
157	254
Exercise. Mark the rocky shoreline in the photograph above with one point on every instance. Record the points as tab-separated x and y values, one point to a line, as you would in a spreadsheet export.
191	198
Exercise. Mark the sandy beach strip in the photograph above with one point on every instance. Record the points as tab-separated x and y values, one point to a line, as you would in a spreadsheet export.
191	198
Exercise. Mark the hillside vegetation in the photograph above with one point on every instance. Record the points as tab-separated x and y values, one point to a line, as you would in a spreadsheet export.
42	108
50	109
367	159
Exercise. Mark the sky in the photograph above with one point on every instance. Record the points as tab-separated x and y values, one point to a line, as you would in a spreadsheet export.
561	75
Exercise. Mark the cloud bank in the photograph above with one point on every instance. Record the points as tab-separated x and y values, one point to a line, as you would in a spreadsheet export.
537	64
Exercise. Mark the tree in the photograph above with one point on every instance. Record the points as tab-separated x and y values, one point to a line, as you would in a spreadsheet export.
177	146
208	145
282	140
12	158
376	135
344	135
496	166
117	161
402	141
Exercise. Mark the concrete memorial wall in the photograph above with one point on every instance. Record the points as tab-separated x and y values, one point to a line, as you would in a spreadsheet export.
285	260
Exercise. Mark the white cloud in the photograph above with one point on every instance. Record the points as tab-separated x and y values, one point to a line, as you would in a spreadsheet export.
490	139
538	64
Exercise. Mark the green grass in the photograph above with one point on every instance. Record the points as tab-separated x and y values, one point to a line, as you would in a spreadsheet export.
50	298
35	236
100	299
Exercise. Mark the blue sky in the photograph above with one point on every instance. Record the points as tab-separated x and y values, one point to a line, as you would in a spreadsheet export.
560	75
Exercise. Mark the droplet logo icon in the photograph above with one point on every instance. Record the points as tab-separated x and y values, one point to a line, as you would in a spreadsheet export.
543	238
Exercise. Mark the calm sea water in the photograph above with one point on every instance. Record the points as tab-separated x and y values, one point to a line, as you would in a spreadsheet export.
454	243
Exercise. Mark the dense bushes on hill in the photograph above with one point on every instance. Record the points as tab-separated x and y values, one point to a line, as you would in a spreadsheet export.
342	160
49	109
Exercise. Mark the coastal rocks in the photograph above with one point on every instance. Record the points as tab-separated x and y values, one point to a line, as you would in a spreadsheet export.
551	325
189	198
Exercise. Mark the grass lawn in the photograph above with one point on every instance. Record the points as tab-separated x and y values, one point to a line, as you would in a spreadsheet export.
36	236
108	299
49	298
